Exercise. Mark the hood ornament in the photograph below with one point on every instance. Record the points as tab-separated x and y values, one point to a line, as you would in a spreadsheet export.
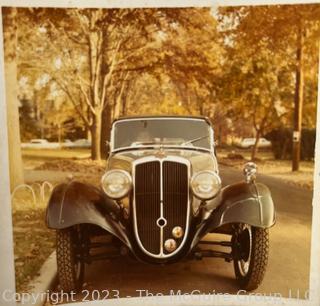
160	153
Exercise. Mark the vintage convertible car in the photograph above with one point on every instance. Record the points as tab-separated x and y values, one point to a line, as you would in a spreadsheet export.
160	195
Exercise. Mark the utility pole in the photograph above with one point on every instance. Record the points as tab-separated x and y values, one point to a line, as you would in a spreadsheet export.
298	101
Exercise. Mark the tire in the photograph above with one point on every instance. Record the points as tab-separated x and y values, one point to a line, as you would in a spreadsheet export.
250	249
70	266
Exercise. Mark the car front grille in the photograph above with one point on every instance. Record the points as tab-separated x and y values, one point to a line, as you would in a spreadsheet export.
160	191
175	197
147	198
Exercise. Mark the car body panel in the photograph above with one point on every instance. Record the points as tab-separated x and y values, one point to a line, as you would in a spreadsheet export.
248	203
77	203
199	160
246	143
40	144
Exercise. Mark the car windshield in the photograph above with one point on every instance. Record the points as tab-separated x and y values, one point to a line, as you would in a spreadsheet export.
163	131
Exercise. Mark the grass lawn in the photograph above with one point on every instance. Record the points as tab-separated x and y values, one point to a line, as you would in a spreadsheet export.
269	166
34	157
33	241
263	154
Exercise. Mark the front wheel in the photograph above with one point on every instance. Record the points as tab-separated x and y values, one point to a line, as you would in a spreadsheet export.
69	259
250	251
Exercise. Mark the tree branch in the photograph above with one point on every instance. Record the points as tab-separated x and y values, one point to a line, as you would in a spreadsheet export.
65	89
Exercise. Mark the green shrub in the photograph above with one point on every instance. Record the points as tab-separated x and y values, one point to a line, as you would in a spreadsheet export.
281	140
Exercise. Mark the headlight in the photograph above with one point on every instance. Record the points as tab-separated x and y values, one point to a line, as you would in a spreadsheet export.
205	185
116	183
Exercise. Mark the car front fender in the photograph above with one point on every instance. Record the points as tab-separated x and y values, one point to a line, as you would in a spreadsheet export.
243	203
78	203
238	203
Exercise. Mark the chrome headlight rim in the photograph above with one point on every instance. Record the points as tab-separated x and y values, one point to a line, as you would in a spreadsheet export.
123	172
197	194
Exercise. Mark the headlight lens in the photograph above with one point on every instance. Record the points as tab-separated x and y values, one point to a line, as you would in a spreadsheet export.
205	185
116	183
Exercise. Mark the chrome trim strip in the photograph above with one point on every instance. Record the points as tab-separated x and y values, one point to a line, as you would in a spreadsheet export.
161	207
161	160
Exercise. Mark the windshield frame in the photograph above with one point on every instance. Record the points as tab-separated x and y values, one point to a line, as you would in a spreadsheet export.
157	146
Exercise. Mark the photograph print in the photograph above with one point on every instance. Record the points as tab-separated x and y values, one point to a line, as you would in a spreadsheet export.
162	151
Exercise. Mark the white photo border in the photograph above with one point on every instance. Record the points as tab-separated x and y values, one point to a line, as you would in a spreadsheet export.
7	279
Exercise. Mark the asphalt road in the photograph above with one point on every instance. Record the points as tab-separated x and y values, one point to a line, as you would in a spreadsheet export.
287	272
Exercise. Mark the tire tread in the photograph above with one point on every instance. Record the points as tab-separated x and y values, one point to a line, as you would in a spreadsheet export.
260	258
259	261
65	261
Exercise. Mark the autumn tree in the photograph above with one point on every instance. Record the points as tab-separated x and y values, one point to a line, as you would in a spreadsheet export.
10	46
282	30
92	54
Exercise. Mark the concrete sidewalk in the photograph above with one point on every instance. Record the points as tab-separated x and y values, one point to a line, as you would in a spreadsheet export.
41	284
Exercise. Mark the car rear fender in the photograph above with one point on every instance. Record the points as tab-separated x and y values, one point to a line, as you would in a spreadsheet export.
78	203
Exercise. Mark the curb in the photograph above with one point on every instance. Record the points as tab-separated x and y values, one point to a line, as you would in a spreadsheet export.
44	282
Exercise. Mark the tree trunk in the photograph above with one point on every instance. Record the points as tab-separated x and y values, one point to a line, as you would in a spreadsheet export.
14	144
96	138
87	129
60	135
298	102
219	138
254	150
96	84
124	102
284	150
117	108
87	133
105	131
119	102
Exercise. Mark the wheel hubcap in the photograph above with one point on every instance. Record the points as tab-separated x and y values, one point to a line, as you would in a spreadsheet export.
245	248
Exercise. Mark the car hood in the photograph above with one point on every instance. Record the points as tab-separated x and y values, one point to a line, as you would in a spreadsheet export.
199	160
